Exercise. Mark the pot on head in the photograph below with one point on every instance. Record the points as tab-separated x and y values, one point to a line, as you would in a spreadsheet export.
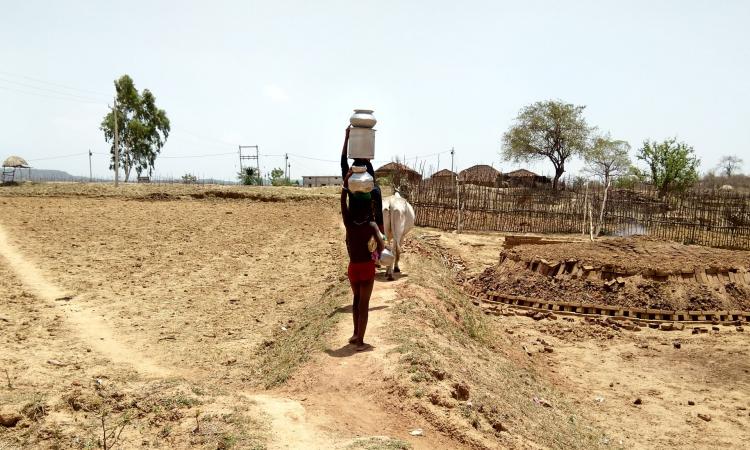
363	118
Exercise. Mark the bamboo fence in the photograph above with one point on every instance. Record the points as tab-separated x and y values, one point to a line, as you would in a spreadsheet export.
711	218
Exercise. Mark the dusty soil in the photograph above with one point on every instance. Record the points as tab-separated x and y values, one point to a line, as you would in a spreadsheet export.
178	315
216	317
631	272
638	389
638	253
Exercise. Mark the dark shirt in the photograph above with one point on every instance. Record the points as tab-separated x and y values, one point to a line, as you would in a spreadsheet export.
377	198
357	238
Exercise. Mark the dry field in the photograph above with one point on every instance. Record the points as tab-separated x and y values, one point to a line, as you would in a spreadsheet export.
216	317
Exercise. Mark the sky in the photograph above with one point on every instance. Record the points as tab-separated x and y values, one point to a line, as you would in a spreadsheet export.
286	75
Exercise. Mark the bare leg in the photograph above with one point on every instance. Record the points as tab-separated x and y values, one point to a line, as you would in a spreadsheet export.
355	311
365	291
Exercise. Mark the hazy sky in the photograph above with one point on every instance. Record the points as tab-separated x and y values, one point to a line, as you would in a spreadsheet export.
285	75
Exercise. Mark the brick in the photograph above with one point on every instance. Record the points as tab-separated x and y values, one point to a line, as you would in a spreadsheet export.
700	275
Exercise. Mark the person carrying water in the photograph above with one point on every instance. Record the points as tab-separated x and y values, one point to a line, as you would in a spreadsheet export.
360	230
376	209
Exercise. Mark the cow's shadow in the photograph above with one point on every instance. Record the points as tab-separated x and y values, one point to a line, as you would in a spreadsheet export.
381	277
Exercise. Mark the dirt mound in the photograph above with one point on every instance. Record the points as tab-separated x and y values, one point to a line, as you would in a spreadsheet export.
627	272
637	253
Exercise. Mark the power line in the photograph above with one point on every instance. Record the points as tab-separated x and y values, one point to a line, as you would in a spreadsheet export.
51	83
207	155
59	157
53	91
38	94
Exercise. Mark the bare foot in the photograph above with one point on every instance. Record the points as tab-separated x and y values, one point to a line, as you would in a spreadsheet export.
353	339
363	346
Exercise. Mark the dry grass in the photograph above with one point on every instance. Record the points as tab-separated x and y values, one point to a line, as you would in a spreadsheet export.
445	341
292	345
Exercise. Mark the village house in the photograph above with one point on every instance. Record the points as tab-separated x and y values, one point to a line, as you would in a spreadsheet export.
398	173
480	175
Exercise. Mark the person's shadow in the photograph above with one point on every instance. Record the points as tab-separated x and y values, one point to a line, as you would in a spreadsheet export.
346	351
348	309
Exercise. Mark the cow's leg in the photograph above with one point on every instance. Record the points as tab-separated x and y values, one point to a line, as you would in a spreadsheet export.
396	252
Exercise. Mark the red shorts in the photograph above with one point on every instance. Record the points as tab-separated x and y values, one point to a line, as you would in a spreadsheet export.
361	271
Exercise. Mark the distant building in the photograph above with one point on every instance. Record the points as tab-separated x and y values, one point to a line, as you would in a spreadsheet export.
480	175
319	181
523	177
443	177
397	173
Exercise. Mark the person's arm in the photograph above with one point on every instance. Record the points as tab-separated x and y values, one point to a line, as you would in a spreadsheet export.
344	160
370	170
378	237
344	194
377	198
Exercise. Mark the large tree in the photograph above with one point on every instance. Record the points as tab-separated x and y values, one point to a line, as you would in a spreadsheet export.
547	130
672	165
142	127
730	165
607	158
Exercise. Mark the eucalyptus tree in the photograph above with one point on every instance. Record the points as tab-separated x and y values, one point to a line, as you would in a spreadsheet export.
142	127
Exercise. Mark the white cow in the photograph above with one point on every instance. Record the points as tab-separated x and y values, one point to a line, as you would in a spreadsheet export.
398	219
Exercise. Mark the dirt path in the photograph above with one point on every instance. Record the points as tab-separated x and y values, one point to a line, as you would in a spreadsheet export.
331	403
91	328
347	393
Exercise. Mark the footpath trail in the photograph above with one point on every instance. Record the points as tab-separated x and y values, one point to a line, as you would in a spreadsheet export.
337	399
343	393
91	327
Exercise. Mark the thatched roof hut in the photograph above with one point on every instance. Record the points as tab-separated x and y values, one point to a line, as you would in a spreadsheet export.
443	177
481	174
524	177
398	173
445	173
16	162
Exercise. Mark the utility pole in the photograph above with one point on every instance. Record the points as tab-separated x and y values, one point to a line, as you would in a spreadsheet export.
91	176
256	157
286	166
453	151
288	172
117	147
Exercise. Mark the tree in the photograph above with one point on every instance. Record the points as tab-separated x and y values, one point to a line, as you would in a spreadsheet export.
248	176
607	158
278	178
730	165
189	178
551	129
143	128
672	165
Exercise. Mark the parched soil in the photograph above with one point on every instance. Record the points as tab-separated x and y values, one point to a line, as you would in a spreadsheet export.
183	317
628	272
629	389
216	317
638	253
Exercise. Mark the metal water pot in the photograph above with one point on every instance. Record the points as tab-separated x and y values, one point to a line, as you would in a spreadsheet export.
361	181
362	143
363	118
386	257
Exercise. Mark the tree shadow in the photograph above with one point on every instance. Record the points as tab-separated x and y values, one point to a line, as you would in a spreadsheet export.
346	351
